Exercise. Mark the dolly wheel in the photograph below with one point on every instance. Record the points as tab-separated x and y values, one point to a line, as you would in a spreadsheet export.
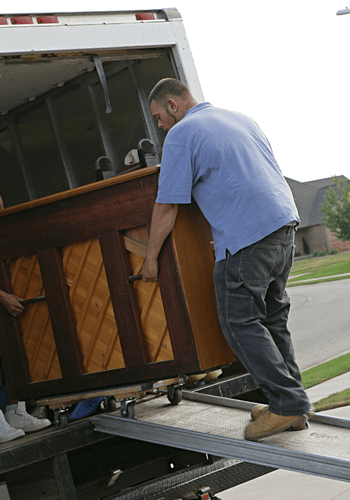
174	395
127	409
61	420
110	404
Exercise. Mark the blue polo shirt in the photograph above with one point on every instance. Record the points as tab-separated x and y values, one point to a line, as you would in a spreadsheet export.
225	162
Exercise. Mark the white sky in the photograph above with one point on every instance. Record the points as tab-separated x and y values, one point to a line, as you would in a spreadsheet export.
285	64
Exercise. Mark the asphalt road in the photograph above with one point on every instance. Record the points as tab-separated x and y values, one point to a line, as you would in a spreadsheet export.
320	321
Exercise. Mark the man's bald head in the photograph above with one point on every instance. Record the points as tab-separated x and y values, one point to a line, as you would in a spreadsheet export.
169	87
169	101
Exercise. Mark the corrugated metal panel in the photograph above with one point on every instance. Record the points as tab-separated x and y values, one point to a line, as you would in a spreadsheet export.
322	449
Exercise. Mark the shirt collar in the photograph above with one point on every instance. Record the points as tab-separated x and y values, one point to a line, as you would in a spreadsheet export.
198	107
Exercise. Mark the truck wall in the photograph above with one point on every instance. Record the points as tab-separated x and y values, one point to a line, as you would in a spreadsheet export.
53	124
52	144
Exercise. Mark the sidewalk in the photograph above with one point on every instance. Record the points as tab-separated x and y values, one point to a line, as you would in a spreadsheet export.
311	280
287	485
336	384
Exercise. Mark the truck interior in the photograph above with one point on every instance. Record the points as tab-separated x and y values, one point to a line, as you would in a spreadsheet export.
60	113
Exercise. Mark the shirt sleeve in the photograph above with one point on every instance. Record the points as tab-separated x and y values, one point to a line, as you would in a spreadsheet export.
175	179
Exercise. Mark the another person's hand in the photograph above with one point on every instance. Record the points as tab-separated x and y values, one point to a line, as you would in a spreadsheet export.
11	303
150	270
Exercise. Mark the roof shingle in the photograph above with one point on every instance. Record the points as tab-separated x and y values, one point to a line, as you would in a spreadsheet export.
309	196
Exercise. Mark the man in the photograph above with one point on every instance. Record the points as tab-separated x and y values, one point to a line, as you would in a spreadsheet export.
225	162
10	302
16	421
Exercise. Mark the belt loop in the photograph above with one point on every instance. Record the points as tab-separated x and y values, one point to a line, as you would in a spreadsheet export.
292	225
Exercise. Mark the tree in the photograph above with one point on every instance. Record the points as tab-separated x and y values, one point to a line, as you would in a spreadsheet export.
336	209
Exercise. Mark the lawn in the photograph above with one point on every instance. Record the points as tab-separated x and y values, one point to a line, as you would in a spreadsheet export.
326	371
319	267
333	401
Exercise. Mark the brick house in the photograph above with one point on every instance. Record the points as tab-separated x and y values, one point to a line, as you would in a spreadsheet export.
312	235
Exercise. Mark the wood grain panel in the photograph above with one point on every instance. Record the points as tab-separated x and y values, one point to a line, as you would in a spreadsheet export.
92	308
153	320
123	299
195	258
38	339
60	310
89	215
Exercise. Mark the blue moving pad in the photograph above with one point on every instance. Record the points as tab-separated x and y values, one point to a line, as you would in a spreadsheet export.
85	408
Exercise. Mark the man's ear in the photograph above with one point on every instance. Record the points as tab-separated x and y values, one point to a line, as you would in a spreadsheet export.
172	105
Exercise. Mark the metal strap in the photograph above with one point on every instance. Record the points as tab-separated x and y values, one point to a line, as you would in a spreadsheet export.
102	77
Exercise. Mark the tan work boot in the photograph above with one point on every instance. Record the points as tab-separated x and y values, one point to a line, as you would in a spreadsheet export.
269	424
259	409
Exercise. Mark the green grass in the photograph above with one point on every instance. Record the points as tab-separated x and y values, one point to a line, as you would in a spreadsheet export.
320	267
333	401
311	263
330	270
326	371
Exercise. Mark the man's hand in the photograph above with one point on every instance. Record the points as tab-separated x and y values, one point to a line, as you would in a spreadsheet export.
11	303
150	270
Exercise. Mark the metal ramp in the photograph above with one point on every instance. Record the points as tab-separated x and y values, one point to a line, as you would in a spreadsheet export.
215	425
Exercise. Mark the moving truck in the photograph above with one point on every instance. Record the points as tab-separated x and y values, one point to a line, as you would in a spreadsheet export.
79	163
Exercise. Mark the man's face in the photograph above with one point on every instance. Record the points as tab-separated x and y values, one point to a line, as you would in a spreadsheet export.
166	119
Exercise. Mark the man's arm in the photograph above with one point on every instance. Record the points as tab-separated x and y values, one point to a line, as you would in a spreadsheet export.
11	303
162	223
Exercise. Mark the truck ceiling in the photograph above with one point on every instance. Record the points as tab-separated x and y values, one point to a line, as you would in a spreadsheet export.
24	78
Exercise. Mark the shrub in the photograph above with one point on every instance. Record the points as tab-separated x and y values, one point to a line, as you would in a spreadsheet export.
321	253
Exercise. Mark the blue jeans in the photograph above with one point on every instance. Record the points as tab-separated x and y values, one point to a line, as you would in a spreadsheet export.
253	308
